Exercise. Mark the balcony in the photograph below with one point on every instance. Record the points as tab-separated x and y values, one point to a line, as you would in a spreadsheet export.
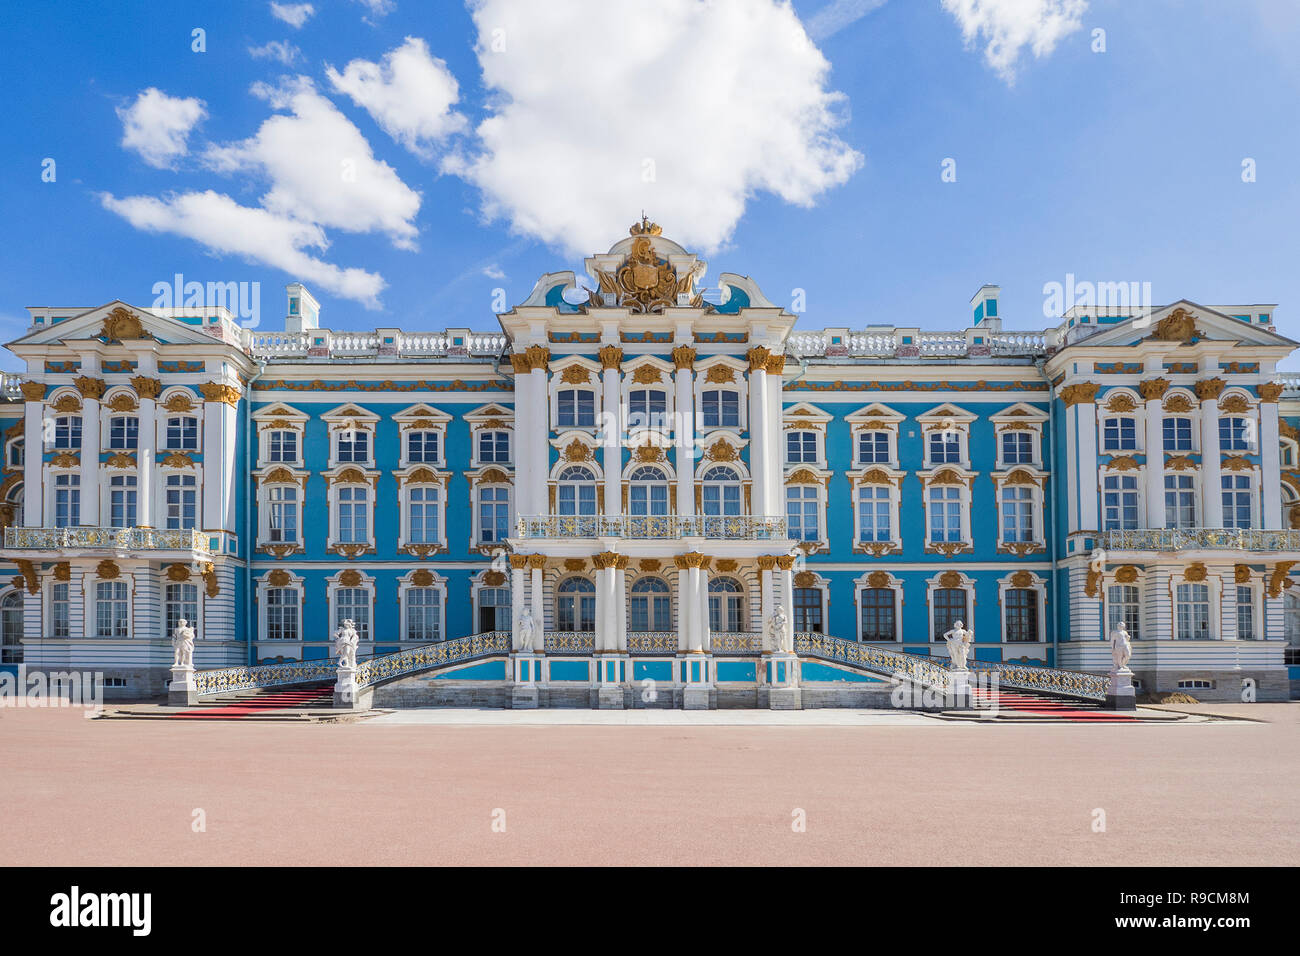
653	527
1199	539
120	540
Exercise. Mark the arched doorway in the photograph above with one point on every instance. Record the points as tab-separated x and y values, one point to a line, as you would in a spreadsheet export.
575	605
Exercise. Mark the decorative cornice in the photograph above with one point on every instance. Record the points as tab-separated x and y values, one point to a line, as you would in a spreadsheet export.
33	391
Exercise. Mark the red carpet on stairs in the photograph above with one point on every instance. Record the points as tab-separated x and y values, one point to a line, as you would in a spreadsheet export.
246	704
1050	708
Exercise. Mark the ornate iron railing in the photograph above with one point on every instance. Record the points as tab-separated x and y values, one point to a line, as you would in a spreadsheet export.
915	667
652	642
112	539
1046	679
760	527
1179	539
736	642
570	642
484	644
228	680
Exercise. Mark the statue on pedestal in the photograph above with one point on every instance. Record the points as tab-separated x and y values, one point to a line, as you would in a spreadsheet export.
527	630
346	640
959	640
183	644
1121	647
779	631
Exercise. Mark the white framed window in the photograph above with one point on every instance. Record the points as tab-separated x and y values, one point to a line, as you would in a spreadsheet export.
283	511
352	446
11	627
720	408
423	446
1235	434
1016	448
493	511
1120	502
721	492
352	604
123	433
1018	510
801	447
1247	618
575	605
1237	501
1119	433
282	446
61	610
494	447
122	501
647	408
948	605
873	448
945	509
1192	611
67	432
181	500
112	610
878	615
1180	502
180	601
182	433
575	408
493	605
1177	432
1124	606
726	605
423	615
352	514
282	613
423	515
649	605
944	448
576	491
67	500
647	492
875	514
803	512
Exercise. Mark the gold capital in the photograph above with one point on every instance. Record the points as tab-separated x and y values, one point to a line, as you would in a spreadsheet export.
684	357
1080	393
33	391
1269	392
757	357
89	387
1209	388
1153	389
611	356
146	387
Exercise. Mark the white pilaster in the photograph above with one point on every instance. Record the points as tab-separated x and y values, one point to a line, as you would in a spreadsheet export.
685	607
612	453
685	433
1088	476
33	446
535	476
1154	475
518	563
538	600
620	604
1270	468
758	433
90	443
1211	493
146	465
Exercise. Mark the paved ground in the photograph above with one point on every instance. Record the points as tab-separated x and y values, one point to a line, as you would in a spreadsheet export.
421	791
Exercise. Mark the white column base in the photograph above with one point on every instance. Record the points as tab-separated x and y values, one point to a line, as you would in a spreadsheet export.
1120	694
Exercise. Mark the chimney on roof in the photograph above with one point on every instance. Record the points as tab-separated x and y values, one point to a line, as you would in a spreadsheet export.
304	311
984	307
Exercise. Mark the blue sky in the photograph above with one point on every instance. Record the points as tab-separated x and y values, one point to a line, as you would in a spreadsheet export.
808	162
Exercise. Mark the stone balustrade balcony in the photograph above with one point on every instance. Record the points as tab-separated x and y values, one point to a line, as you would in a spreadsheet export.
653	527
119	541
1200	539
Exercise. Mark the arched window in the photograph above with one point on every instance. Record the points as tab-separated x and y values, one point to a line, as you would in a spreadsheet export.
577	492
648	493
720	493
494	609
808	610
575	605
181	601
726	605
649	607
11	628
949	608
878	623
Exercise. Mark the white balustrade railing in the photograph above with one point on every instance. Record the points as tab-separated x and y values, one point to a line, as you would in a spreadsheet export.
1178	539
652	526
10	385
273	345
113	539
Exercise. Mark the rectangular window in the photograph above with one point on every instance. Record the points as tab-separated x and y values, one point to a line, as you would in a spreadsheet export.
873	448
1246	613
354	446
122	501
183	433
67	432
949	608
945	514
721	409
1180	502
181	497
802	513
60	611
353	516
577	408
111	609
945	448
1236	501
422	514
282	446
123	432
1234	434
1022	615
494	448
67	501
181	603
1119	434
1123	606
423	615
1017	448
647	408
422	446
874	519
878	615
282	614
494	515
801	447
353	604
1017	515
1119	499
1178	434
283	527
1193	612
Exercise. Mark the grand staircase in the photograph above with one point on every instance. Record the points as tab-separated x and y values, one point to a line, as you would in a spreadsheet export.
277	702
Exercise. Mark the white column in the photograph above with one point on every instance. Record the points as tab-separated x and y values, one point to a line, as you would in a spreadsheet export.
90	443
33	447
1086	423
214	443
703	635
1155	452
518	562
694	640
786	579
526	431
684	356
1211	493
1270	467
605	639
146	465
685	604
535	476
758	429
776	414
620	603
612	421
536	595
765	565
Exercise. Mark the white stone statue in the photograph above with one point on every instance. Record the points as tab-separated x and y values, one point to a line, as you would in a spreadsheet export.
527	629
779	631
959	640
1121	647
183	644
346	640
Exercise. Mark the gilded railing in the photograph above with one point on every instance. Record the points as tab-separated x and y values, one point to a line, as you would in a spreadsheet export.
922	670
652	526
485	644
1046	679
736	642
652	642
1179	539
570	642
228	680
114	539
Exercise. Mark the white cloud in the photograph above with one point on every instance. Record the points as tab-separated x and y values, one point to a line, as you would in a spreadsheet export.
837	15
280	50
1011	25
225	227
494	271
688	116
157	125
320	168
294	14
377	8
409	94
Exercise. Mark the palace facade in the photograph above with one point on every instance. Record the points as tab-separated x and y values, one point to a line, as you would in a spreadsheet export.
654	467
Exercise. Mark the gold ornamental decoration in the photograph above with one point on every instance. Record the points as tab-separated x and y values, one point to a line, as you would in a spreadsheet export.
278	579
1294	516
107	570
1279	578
1121	402
611	357
494	579
218	392
63	571
604	560
1209	388
650	565
1236	404
878	579
1195	572
350	579
720	374
28	571
121	460
1092	587
178	459
67	403
1236	463
1080	393
1241	574
1180	463
1153	389
1022	579
1269	392
422	578
1178	402
209	573
757	358
804	579
146	387
32	391
950	579
684	357
577	451
122	402
179	402
65	459
1123	463
178	572
573	564
122	323
644	283
89	387
722	450
1126	574
575	375
1178	326
647	375
727	564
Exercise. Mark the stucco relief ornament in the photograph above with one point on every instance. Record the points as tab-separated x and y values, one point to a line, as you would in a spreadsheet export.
527	630
779	631
959	640
346	640
183	644
1121	647
644	282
